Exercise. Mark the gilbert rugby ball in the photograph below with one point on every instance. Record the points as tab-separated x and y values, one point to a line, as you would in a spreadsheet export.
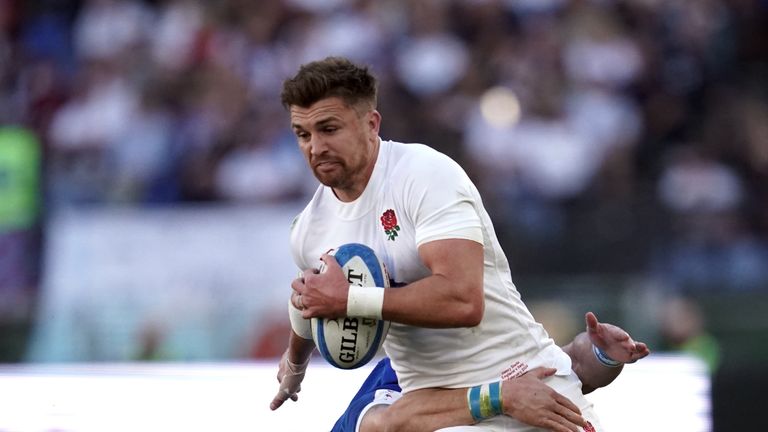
351	342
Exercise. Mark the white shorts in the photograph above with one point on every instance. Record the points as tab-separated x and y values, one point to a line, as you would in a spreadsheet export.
568	386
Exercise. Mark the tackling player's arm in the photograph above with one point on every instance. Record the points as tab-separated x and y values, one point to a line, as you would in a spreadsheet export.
616	346
526	398
452	296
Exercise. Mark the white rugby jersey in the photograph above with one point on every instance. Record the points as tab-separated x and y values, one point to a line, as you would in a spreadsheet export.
416	195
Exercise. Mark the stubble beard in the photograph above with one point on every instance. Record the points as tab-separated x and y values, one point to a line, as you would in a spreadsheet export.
337	179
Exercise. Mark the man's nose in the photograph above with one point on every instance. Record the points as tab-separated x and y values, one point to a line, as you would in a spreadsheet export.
317	145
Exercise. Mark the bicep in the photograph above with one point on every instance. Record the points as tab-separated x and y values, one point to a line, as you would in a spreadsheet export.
451	296
458	260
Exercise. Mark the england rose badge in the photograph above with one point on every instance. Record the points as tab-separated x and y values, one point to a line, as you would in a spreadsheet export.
389	222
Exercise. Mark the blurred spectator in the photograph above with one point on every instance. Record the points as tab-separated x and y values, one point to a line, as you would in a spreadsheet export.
151	343
684	330
599	50
19	219
695	183
141	157
430	58
83	131
566	113
264	170
712	246
179	26
108	29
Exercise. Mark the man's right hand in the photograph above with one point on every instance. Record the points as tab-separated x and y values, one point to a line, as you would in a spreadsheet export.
614	341
289	375
529	400
322	293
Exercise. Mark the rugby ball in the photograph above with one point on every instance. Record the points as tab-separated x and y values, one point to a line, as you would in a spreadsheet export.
351	342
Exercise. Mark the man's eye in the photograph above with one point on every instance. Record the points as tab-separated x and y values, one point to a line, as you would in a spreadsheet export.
330	129
302	135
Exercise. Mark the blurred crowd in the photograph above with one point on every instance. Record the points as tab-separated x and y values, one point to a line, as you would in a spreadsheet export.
606	135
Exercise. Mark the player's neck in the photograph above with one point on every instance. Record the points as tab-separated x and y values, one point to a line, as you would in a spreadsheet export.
360	182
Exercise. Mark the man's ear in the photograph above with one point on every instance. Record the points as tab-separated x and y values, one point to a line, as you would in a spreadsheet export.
374	122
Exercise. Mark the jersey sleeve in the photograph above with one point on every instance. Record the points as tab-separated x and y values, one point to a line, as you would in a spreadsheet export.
296	236
443	200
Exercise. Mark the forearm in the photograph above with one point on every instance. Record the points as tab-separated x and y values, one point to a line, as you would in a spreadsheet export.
428	410
591	372
299	349
526	398
291	369
452	296
433	302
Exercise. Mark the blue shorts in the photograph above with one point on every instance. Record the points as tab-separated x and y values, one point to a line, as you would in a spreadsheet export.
381	377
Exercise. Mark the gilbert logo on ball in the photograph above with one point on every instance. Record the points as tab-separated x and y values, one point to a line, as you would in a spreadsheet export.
351	342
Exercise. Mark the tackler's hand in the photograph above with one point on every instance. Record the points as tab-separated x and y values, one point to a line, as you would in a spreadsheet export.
528	399
614	341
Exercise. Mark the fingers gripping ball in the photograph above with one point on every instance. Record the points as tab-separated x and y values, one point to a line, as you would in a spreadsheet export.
351	342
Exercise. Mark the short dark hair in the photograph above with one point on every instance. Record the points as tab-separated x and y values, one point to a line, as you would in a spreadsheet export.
332	76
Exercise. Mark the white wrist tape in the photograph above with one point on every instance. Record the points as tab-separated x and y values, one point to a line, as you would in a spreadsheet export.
299	324
297	368
365	302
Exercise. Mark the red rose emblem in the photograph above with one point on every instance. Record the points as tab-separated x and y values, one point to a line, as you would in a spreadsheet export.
389	222
388	219
589	428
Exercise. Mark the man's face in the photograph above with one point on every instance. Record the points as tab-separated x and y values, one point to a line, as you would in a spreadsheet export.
337	141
